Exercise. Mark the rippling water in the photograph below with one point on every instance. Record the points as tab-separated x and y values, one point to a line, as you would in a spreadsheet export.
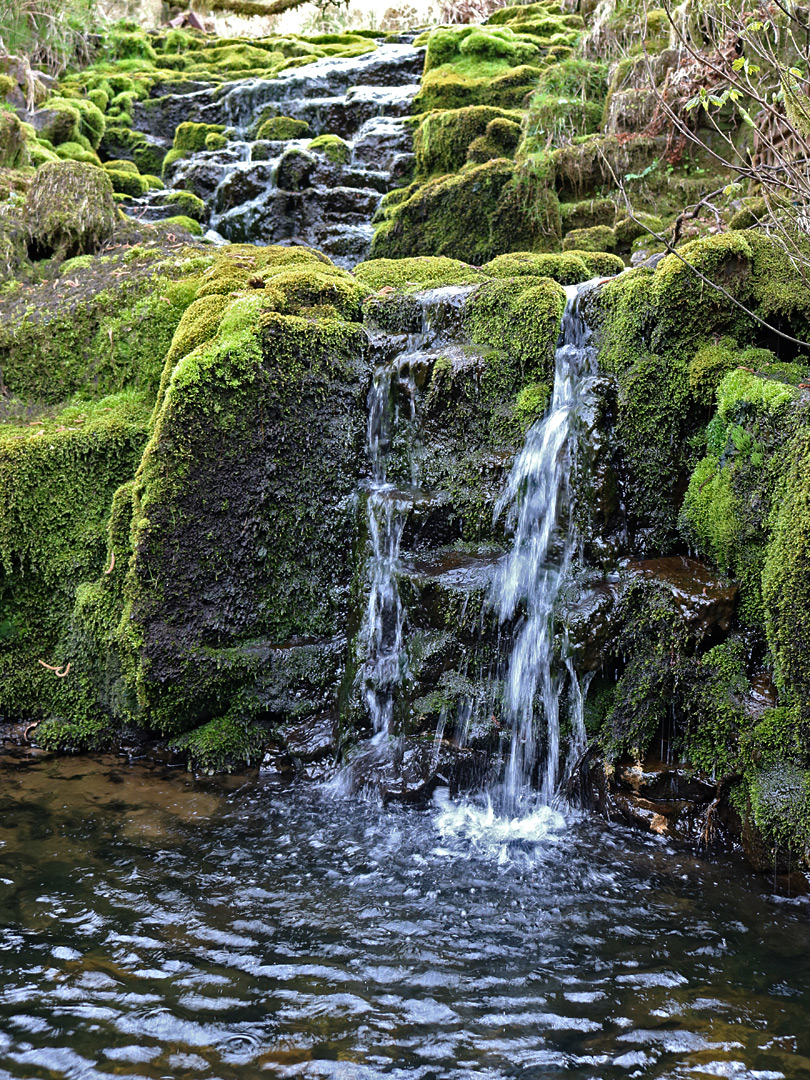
158	926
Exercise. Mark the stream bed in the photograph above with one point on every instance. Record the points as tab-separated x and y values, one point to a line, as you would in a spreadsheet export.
158	925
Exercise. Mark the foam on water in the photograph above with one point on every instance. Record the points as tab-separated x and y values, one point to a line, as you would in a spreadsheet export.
499	836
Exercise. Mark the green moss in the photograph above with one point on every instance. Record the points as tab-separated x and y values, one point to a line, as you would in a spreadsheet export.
107	327
786	575
235	406
519	317
80	117
282	127
187	204
443	140
76	152
215	141
710	364
780	803
13	151
475	82
130	46
333	148
726	506
474	216
566	269
649	641
119	165
630	229
596	238
222	745
190	138
416	274
180	221
749	215
123	142
69	209
128	183
600	263
553	117
586	213
713	717
57	480
531	403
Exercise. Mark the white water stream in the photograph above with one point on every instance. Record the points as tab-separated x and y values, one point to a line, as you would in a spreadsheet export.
537	501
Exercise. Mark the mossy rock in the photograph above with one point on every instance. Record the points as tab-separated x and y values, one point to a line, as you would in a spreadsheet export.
187	204
186	224
236	407
54	536
282	127
121	142
333	148
629	229
587	213
749	215
597	238
190	138
120	165
69	209
13	151
81	118
416	274
519	316
443	139
451	87
569	268
128	182
473	216
106	331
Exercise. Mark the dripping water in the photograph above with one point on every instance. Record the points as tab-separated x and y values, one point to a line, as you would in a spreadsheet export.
393	447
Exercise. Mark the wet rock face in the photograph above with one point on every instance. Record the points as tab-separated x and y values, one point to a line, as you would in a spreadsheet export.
705	601
289	191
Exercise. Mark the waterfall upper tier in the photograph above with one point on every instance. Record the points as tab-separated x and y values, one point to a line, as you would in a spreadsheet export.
301	190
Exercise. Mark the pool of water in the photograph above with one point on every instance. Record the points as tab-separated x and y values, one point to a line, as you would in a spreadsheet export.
153	925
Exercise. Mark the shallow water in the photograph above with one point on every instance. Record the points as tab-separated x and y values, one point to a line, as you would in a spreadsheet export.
158	926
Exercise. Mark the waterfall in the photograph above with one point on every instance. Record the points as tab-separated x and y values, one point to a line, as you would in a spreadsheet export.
537	507
393	447
538	510
386	510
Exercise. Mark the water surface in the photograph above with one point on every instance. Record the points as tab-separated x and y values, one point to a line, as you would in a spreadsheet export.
156	926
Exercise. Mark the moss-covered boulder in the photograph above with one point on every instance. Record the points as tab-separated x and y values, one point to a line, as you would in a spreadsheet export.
190	137
282	127
333	148
12	141
103	327
235	446
446	140
472	216
69	209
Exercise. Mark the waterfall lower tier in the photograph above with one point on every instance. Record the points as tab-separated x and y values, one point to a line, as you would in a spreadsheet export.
525	679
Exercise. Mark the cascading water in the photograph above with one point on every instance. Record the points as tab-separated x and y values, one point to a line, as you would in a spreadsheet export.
538	506
392	436
387	509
